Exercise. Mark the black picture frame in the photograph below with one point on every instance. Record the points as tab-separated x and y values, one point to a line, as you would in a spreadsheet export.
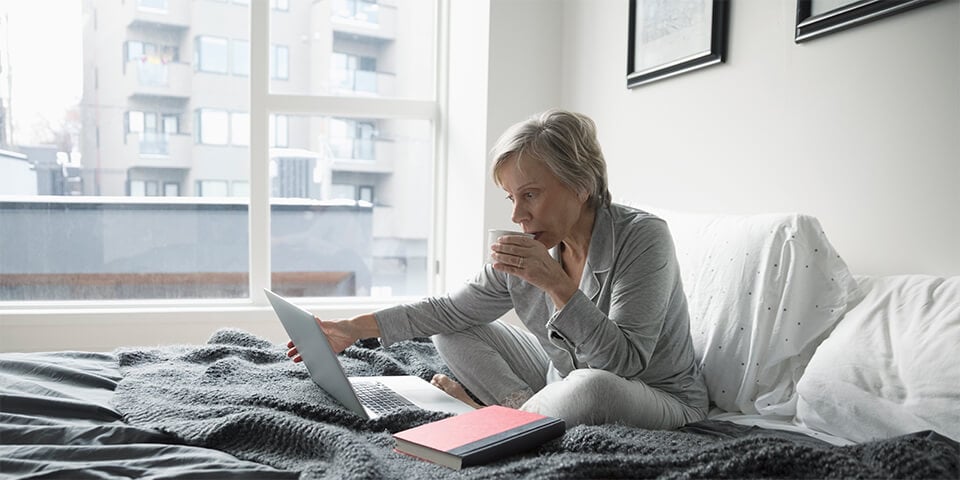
709	21
846	15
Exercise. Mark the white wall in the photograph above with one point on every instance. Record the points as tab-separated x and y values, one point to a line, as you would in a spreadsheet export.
504	67
860	128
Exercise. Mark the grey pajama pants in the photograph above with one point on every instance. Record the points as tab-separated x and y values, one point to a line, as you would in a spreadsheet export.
505	365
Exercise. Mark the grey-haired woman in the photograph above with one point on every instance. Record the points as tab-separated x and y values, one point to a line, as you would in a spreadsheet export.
597	287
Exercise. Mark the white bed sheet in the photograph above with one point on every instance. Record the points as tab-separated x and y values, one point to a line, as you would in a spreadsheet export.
776	422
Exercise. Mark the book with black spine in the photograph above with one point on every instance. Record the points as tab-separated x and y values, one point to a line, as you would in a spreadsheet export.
478	437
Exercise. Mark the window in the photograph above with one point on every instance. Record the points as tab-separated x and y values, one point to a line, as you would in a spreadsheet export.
365	193
171	189
240	57
240	188
278	131
354	73
353	139
155	5
171	124
138	188
193	132
357	10
135	122
144	188
211	54
213	127
212	188
279	62
240	129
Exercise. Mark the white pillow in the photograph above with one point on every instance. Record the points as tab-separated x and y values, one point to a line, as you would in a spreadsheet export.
891	366
763	292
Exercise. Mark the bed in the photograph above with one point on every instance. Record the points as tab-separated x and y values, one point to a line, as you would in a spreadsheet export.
812	372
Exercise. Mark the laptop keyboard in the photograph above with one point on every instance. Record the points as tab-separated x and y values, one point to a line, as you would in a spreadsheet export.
379	398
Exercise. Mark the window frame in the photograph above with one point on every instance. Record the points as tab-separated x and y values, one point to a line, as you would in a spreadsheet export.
264	103
199	54
97	325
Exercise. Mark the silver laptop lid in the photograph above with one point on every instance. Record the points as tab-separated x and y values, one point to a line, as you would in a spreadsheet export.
321	361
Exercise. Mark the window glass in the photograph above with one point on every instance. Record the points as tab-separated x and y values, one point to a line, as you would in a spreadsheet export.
171	189
363	245
164	111
279	62
138	188
240	129
211	54
82	161
278	131
158	5
358	48
213	126
240	57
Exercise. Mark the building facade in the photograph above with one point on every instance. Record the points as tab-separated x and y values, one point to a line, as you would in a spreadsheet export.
165	110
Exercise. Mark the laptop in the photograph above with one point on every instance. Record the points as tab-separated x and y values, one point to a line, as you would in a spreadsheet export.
369	397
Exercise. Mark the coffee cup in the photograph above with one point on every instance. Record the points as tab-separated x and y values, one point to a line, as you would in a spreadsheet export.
493	235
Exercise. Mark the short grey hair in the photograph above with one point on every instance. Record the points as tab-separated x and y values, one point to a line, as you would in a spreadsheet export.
566	142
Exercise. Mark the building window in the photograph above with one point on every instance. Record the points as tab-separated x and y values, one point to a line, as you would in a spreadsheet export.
138	188
144	188
152	5
356	10
353	72
212	127
212	188
280	5
240	129
134	122
240	188
279	62
240	57
279	134
211	54
365	193
171	124
171	189
353	139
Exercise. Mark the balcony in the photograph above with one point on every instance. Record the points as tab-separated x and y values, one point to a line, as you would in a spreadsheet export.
364	18
159	150
151	77
363	83
154	14
363	155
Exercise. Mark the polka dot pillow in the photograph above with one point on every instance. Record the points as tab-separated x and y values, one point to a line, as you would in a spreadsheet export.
763	292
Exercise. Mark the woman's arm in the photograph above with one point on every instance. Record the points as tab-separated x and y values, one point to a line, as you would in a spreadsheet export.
342	333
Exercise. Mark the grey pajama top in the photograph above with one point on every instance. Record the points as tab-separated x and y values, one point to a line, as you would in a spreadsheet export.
629	316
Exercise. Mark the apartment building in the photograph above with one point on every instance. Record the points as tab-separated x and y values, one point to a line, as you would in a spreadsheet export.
165	109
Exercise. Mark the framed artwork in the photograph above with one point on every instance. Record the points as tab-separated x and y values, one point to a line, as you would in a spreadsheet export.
670	37
816	18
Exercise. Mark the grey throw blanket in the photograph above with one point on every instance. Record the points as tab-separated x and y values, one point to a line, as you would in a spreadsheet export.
240	394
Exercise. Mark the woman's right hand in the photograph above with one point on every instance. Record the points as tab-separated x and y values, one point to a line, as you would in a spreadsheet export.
339	333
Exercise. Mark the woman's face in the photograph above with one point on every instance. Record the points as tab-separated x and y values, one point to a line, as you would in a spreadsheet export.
542	205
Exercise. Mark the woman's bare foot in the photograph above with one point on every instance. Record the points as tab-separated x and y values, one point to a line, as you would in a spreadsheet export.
454	389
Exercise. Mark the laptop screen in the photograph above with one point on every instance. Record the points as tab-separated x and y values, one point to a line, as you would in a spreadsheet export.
321	361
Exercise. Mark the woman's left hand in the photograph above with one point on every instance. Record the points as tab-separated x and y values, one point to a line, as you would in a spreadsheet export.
530	260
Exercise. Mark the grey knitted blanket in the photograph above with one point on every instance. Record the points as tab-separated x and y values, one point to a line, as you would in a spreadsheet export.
240	394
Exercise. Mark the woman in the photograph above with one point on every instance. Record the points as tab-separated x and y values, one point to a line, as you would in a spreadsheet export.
597	287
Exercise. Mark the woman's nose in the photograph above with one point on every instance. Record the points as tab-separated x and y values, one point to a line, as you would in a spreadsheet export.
519	215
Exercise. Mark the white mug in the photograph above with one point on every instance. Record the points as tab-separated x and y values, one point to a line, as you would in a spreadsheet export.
493	235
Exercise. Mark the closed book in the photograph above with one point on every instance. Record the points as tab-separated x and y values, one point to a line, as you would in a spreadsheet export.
479	436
